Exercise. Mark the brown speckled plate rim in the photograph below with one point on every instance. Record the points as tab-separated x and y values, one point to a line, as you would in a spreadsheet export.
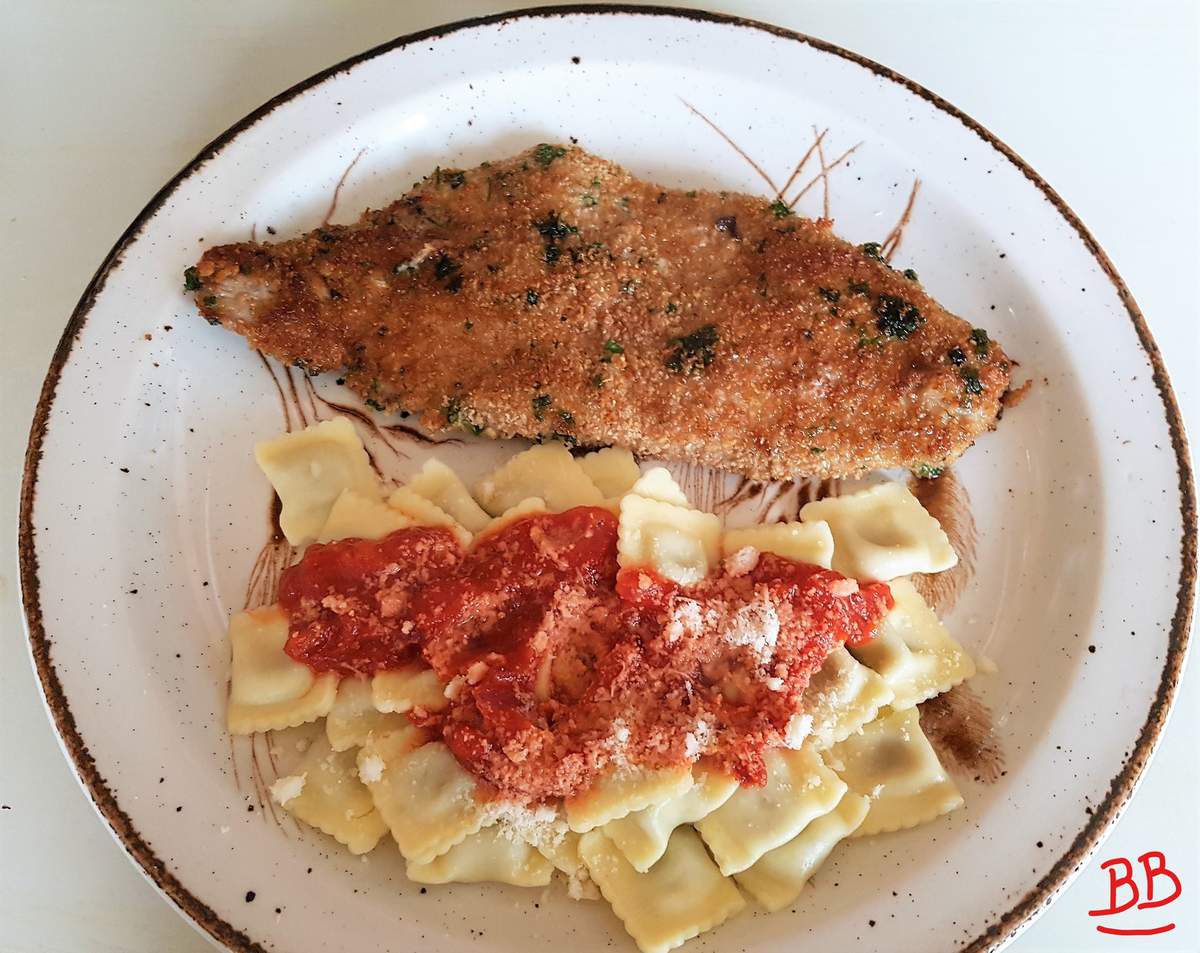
1005	926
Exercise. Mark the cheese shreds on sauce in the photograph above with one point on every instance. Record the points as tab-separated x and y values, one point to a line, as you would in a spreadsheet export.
559	664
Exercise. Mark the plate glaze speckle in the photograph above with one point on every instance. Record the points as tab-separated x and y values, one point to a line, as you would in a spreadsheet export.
143	515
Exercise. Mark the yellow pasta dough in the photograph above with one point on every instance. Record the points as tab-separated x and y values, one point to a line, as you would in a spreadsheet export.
623	790
678	898
803	542
334	800
755	820
403	689
494	854
309	470
268	690
881	533
546	471
443	488
680	544
842	697
355	516
426	797
891	761
529	507
354	717
424	513
642	836
777	878
658	484
612	469
913	652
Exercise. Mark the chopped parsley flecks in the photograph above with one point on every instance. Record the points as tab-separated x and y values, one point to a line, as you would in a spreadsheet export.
468	325
567	417
553	229
970	378
872	250
452	411
567	438
587	200
693	352
456	179
816	449
728	224
628	286
859	288
612	347
927	471
691	193
191	279
210	301
779	208
598	380
910	274
828	294
896	318
672	307
374	404
532	297
541	403
956	356
979	337
545	153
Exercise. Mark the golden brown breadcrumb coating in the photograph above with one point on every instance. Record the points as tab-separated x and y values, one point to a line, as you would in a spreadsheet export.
555	294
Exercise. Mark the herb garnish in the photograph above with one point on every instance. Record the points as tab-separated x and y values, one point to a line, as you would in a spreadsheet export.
896	317
956	356
532	297
694	351
541	403
452	411
928	472
728	225
545	153
567	417
910	274
210	301
979	337
191	279
553	229
598	380
970	378
859	288
779	208
456	179
872	250
587	200
828	294
612	347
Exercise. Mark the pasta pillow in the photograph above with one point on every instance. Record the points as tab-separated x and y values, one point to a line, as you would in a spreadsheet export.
268	690
309	470
881	533
679	544
442	487
913	652
547	472
891	762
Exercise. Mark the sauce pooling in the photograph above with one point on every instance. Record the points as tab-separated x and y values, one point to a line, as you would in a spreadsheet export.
559	664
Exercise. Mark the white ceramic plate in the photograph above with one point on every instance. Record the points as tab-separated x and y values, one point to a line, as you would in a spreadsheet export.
142	513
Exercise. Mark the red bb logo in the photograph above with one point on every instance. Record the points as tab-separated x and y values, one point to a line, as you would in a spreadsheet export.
1154	865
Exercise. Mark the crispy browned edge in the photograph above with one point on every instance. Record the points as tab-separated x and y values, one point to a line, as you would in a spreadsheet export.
1006	925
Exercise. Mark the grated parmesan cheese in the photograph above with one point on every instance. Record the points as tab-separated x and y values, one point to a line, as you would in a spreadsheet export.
287	788
371	769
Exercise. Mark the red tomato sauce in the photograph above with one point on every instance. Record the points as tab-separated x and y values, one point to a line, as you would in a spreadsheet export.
559	664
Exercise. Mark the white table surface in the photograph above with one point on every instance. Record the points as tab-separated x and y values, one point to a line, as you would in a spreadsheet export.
101	102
